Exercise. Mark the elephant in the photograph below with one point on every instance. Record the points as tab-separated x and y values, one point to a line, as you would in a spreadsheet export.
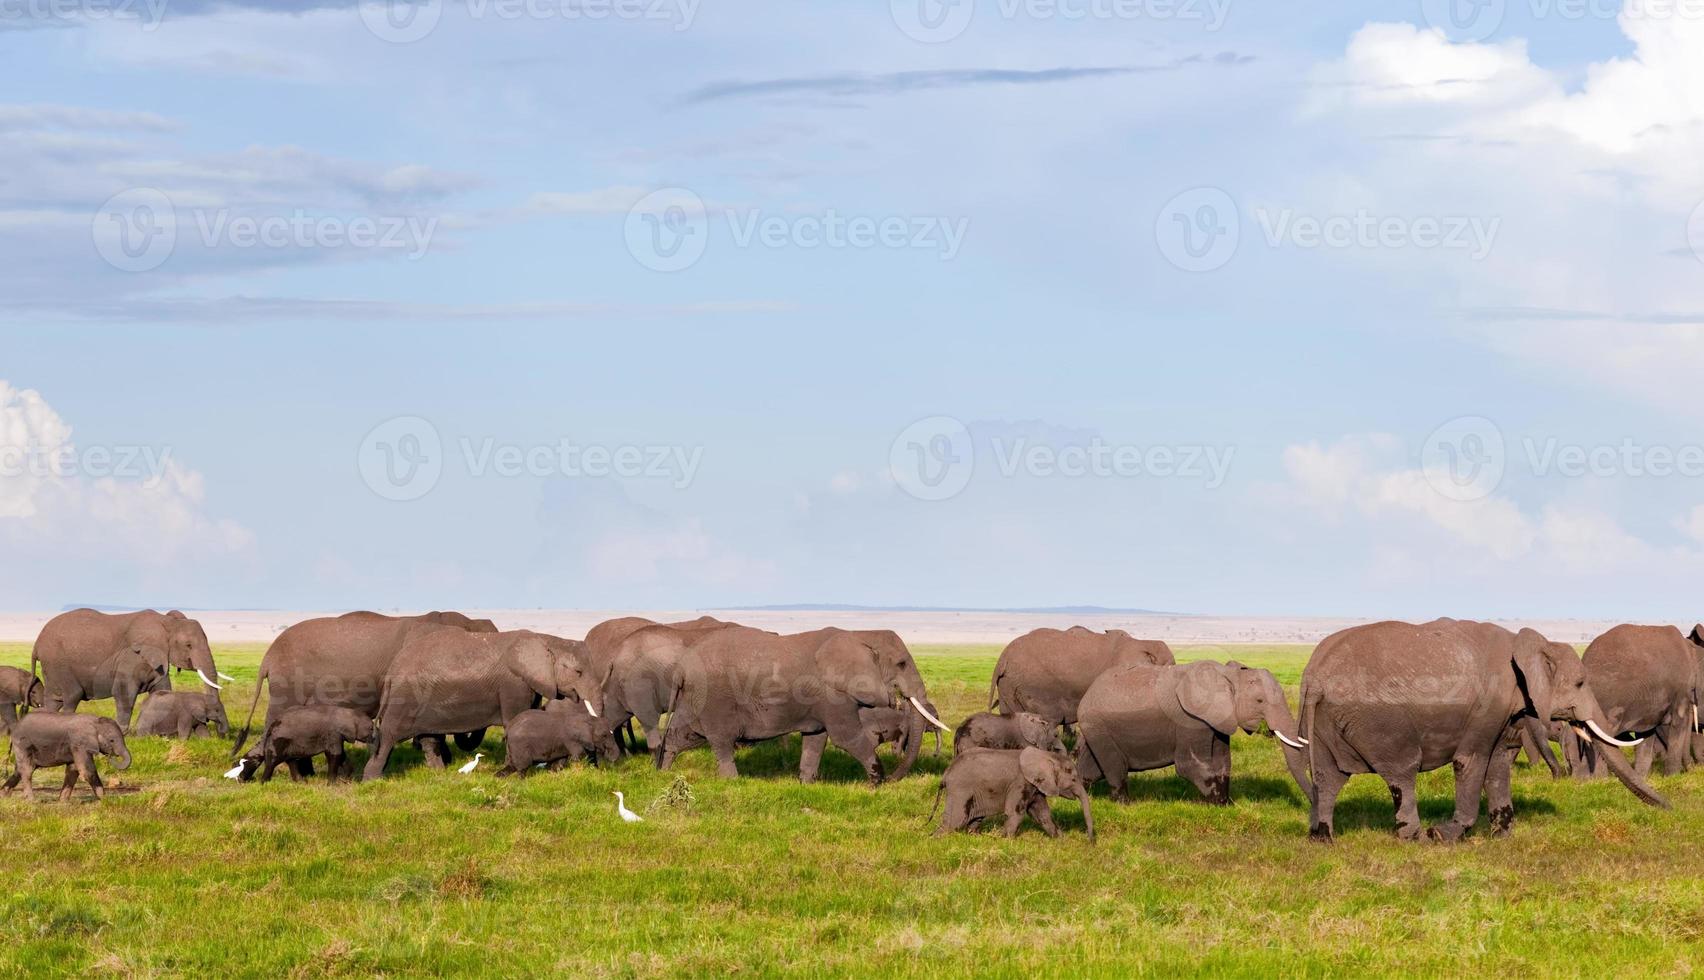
1646	678
643	672
77	652
302	732
987	730
1398	699
1534	738
340	661
1014	782
124	676
20	691
555	735
1047	671
902	728
1139	718
741	686
446	679
184	714
46	740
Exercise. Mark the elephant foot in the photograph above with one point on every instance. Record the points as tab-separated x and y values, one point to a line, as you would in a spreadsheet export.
1446	833
1502	821
1321	832
1408	831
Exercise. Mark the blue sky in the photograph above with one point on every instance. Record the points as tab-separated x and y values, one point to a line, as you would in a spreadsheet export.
945	342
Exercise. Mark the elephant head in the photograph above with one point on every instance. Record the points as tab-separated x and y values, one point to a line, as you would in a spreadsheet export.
874	665
145	666
187	648
216	714
353	726
1261	701
1038	732
556	668
1130	650
1551	685
1056	775
104	737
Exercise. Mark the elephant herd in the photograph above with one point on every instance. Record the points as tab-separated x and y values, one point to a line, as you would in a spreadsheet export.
1393	699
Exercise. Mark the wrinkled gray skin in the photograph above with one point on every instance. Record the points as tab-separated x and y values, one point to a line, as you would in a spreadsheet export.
1646	678
987	730
449	680
183	714
741	686
341	661
553	736
643	664
1142	718
1047	671
303	732
1013	783
1398	699
81	656
45	740
904	729
20	691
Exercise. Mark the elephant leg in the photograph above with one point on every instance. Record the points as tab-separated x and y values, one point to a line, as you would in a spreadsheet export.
468	741
1328	781
1643	756
724	749
334	762
436	749
1042	814
381	755
123	702
91	774
69	783
1470	772
1407	801
1017	804
1499	794
810	756
12	781
268	763
185	728
845	731
1199	761
1676	742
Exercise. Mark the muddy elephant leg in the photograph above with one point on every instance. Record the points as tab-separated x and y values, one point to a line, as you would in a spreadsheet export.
1017	805
1407	801
810	756
1042	813
1198	760
1499	795
86	768
1328	781
1470	772
724	749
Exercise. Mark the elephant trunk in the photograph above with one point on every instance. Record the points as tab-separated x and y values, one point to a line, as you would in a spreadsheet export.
914	732
1290	739
123	757
1623	770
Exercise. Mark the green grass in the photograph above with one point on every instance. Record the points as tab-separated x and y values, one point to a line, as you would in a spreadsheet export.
184	873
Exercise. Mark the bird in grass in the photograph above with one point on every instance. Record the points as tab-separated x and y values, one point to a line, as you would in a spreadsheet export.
621	807
235	772
464	770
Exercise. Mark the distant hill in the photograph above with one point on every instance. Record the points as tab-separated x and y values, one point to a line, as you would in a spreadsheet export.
843	607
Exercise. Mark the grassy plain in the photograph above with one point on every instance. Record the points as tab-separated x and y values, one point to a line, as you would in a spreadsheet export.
181	873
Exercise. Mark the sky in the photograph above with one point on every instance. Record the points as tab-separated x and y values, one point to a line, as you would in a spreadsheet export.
1211	306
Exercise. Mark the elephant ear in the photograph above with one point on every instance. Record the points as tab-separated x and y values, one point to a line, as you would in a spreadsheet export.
528	657
1533	671
1041	770
1697	634
1034	729
1205	692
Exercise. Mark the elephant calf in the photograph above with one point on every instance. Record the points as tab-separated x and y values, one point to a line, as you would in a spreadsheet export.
303	732
19	689
556	735
184	714
73	741
987	730
1014	782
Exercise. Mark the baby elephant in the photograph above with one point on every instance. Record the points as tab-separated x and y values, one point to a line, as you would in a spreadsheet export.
982	783
556	735
987	730
184	714
72	741
901	728
18	689
303	732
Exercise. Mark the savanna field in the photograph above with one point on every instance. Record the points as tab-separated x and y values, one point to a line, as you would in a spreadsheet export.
183	873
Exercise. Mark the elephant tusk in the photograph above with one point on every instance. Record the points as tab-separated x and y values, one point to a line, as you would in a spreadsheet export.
589	709
1294	743
1695	717
925	713
1600	733
224	676
207	680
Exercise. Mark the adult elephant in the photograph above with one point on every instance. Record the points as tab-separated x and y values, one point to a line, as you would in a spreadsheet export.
77	649
1647	680
643	670
1398	699
1047	671
338	660
446	679
740	686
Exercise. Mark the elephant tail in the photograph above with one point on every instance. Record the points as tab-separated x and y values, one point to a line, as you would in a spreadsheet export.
248	723
994	689
1308	706
937	804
